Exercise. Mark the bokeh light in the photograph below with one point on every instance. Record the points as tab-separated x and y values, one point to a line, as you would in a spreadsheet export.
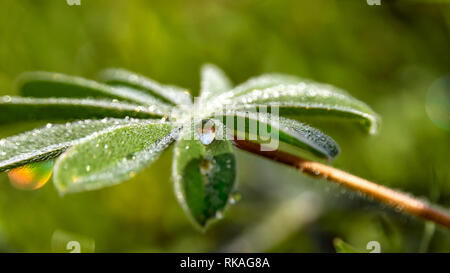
32	176
438	102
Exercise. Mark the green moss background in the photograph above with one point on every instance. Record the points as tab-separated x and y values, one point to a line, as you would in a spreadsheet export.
386	55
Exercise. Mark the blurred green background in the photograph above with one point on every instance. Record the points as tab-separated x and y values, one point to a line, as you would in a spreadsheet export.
388	55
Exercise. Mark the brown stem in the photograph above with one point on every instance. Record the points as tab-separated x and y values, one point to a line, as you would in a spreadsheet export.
386	195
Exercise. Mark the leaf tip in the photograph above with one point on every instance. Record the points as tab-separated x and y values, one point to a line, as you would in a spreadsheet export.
374	124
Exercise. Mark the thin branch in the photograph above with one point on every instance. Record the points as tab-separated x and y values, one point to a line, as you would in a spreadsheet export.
383	194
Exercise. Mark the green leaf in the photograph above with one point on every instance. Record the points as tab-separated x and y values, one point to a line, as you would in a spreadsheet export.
262	82
111	156
50	141
14	109
54	85
166	93
303	100
213	82
267	128
204	176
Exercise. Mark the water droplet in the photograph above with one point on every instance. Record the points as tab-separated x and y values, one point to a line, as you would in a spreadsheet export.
32	176
106	146
235	198
131	156
49	125
219	215
207	132
7	99
88	168
133	78
187	147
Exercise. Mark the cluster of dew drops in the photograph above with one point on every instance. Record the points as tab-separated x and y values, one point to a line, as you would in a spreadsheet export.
34	176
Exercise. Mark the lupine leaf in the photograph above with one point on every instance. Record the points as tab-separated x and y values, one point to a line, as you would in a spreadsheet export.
166	93
50	141
267	128
111	156
303	100
213	82
261	82
204	176
14	109
54	85
98	153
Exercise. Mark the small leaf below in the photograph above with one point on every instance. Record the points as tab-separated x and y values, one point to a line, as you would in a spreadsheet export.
204	176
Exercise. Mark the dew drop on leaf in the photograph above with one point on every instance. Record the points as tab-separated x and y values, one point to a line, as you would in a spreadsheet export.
7	99
235	197
219	215
207	132
164	118
32	176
